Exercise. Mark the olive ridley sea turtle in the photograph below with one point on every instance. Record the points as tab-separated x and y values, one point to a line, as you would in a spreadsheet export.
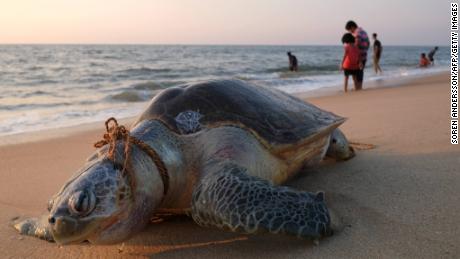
217	150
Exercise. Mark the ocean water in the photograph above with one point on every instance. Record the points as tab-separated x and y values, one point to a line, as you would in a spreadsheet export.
51	86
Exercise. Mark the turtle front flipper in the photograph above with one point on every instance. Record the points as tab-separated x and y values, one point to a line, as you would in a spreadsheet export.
36	227
231	199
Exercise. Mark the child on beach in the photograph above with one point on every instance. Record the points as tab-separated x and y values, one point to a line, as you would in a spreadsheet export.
424	62
362	42
351	62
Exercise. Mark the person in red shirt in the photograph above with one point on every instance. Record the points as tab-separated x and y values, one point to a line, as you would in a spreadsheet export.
424	62
351	62
363	43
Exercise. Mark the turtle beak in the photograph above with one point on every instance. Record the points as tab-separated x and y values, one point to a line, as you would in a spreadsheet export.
352	153
66	230
62	226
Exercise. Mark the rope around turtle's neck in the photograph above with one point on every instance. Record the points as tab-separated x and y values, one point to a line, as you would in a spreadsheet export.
115	133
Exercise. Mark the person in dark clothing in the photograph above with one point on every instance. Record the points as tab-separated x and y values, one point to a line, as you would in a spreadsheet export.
431	55
377	53
292	62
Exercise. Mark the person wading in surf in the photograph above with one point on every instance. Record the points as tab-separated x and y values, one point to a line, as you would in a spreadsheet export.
292	62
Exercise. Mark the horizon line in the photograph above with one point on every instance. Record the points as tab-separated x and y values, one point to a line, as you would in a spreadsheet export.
215	44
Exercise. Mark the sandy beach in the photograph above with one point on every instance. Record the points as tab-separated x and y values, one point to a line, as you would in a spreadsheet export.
398	200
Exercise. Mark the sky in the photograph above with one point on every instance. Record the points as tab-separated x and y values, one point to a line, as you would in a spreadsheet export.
277	22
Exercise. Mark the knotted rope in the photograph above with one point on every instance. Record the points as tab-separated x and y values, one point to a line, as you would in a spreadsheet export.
117	132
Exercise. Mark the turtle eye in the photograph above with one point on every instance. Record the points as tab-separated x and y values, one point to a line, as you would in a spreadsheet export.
81	203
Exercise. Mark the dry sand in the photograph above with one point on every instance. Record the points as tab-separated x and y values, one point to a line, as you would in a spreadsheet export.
399	200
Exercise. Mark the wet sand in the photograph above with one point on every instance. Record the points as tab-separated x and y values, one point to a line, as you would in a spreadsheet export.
398	200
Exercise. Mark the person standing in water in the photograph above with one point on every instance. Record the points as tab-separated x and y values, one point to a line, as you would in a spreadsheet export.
292	62
362	42
351	62
377	53
431	55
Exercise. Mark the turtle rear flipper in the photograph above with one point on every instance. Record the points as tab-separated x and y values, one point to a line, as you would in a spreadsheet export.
231	199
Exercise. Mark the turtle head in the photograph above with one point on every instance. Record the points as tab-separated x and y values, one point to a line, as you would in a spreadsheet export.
99	204
339	147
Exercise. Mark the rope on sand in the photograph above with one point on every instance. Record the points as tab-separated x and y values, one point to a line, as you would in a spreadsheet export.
115	133
362	146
